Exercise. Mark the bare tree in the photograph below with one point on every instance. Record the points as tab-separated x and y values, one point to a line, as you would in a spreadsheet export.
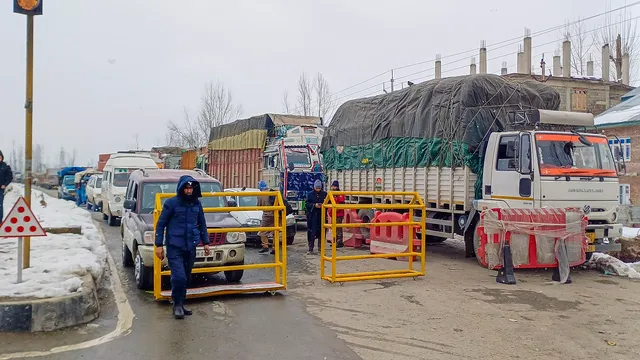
14	156
38	159
304	95
619	33
285	102
136	137
217	108
72	157
20	159
62	157
323	97
581	45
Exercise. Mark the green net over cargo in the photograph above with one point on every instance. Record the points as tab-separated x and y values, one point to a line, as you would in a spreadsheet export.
435	123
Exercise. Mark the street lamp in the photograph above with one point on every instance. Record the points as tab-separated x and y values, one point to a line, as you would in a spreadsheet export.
29	8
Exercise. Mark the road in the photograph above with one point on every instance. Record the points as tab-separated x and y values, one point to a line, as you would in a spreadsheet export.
457	311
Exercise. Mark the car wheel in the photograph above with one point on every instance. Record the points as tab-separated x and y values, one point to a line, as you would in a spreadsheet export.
113	221
143	275
234	276
127	258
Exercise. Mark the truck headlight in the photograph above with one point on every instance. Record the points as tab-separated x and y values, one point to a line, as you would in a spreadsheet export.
149	237
236	237
253	222
613	217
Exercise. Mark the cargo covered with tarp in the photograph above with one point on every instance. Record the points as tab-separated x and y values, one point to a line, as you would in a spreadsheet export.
252	133
439	123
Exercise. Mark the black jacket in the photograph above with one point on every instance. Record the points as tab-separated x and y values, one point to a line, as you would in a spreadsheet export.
6	175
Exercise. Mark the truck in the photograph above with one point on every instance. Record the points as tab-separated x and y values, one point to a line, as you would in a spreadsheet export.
66	182
282	150
50	179
470	143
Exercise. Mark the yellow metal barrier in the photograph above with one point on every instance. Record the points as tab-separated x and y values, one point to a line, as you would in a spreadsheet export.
330	204
279	264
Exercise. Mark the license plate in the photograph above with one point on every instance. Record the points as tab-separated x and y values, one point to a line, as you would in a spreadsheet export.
592	237
200	253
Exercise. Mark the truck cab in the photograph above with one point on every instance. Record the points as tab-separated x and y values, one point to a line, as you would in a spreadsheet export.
557	169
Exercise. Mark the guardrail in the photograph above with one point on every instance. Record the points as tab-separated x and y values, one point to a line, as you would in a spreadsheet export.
330	204
279	264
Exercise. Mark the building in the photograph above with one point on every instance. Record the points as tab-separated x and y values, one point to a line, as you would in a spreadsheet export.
621	125
581	94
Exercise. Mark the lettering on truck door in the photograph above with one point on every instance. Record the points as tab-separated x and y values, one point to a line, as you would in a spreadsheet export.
511	179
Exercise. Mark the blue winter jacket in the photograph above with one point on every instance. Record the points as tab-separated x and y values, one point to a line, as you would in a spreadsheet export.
183	218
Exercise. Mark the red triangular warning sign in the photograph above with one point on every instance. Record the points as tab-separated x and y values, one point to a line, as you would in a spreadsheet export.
21	222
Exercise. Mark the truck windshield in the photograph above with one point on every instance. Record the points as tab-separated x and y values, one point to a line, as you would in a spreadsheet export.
149	191
69	180
564	154
299	156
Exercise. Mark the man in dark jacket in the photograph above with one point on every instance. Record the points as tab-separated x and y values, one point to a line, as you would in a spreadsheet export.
6	177
183	218
314	215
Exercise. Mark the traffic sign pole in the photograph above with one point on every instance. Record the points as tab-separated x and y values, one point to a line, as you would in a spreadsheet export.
29	133
19	260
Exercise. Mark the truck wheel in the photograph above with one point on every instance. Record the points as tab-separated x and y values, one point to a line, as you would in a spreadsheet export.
143	274
366	215
234	276
127	258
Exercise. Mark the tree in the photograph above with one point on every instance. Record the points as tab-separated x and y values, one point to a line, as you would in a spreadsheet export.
581	45
323	96
620	34
217	108
38	160
72	157
62	157
304	95
20	159
285	102
14	156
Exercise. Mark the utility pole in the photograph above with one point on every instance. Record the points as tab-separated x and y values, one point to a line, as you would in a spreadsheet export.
391	80
30	8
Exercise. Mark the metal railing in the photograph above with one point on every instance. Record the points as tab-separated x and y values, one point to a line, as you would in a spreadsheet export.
279	264
416	203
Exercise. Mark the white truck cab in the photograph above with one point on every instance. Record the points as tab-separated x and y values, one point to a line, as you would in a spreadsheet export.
115	178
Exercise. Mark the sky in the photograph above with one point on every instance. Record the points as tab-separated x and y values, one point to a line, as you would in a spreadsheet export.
110	74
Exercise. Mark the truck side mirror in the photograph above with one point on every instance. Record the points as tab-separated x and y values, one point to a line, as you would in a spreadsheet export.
129	204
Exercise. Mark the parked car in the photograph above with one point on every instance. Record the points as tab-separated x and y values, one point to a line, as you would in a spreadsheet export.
94	190
67	188
254	218
137	226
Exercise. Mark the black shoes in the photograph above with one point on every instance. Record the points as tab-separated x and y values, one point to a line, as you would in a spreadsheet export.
263	251
178	312
187	312
339	244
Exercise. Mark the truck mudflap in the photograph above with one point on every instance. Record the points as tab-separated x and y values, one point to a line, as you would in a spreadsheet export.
603	237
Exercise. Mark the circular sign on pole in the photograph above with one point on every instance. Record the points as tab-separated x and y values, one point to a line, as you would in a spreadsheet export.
28	4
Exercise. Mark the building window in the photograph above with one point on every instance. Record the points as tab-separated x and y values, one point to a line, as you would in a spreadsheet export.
625	193
624	145
579	100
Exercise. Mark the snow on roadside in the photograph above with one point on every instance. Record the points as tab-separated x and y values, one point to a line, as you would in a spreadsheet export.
58	262
613	266
630	233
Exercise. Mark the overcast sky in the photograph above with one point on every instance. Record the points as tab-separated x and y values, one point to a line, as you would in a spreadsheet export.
107	70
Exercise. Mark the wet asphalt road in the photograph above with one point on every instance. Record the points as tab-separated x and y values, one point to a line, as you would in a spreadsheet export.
232	327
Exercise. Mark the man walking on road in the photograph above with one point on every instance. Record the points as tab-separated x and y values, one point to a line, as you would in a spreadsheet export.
6	177
183	218
314	215
267	218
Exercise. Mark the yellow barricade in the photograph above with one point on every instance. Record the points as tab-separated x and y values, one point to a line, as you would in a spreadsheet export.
330	204
279	264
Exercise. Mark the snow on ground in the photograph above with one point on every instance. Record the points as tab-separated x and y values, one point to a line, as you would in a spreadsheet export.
630	233
613	266
58	262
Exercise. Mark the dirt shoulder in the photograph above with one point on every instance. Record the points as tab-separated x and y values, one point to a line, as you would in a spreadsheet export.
458	311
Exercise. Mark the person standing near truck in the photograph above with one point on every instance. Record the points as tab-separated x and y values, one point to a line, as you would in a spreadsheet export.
267	218
339	199
314	215
6	177
183	218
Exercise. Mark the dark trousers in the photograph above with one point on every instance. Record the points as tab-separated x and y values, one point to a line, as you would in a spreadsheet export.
1	202
313	230
181	264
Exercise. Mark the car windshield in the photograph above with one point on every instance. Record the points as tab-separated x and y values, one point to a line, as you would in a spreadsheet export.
69	180
299	156
121	179
149	191
563	154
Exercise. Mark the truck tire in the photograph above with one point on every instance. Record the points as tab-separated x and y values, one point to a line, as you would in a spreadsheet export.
366	215
430	239
235	275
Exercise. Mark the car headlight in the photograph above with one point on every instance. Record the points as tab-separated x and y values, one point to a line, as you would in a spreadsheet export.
613	217
253	222
236	237
149	237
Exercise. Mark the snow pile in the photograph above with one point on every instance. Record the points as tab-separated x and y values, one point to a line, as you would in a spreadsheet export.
610	265
58	262
615	117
